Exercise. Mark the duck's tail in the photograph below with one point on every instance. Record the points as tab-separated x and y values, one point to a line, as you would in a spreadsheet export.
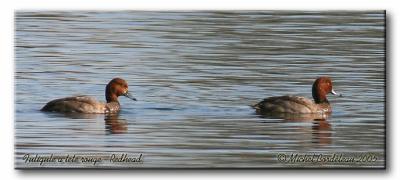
255	106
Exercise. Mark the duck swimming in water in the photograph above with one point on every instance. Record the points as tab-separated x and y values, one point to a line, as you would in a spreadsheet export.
85	104
300	105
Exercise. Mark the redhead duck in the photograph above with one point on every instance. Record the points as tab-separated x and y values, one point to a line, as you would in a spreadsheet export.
300	105
85	104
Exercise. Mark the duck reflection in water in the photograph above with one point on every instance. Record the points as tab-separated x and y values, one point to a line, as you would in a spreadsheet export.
320	129
291	117
115	125
322	132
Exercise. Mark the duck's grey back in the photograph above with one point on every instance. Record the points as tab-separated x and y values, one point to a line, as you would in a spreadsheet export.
80	104
286	104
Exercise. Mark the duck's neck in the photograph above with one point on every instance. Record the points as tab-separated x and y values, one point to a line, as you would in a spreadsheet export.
110	96
319	96
319	101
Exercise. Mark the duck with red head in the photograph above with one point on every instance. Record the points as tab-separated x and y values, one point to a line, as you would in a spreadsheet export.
300	105
85	104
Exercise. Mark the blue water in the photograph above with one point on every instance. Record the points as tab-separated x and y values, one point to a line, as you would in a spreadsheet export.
194	75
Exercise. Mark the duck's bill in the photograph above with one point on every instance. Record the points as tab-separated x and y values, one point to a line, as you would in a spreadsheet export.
336	94
333	92
129	95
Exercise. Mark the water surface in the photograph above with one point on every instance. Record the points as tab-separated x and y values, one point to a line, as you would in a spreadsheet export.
194	75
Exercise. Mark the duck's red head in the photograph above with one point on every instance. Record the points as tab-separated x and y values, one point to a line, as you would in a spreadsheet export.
321	87
115	88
